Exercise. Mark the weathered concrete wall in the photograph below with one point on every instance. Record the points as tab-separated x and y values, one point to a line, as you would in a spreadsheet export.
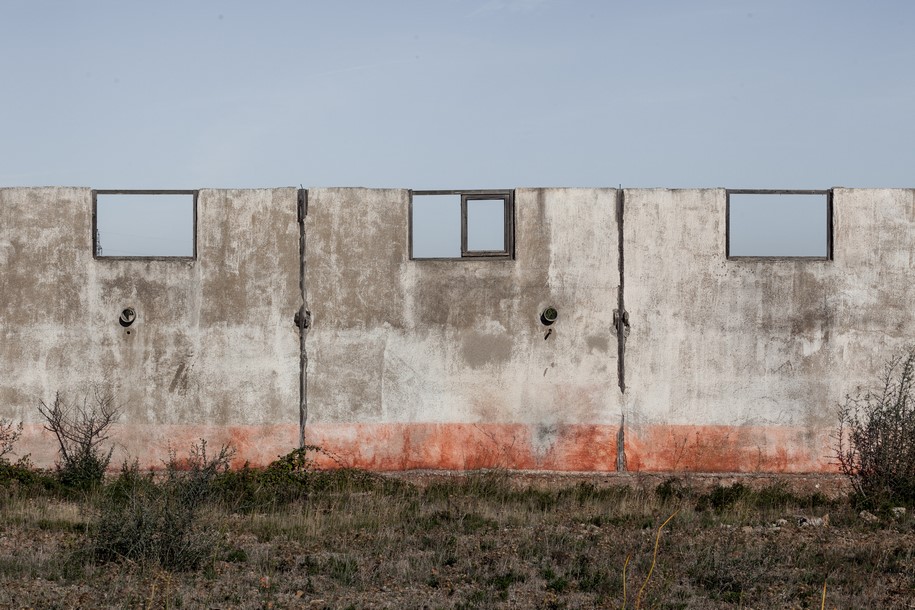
444	364
214	350
738	365
733	365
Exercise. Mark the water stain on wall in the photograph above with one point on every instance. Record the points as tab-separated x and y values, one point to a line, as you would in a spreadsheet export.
480	349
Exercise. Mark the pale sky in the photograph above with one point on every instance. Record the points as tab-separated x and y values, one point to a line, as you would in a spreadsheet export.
457	94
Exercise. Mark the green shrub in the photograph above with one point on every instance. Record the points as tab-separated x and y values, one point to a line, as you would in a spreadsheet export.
875	443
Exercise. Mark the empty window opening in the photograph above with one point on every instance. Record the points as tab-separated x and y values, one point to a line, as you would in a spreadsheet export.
436	226
485	225
779	224
145	224
461	224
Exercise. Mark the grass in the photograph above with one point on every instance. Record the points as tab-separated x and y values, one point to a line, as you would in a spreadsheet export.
483	540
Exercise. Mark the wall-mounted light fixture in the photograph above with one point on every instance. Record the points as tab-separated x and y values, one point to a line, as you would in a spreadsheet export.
127	317
548	316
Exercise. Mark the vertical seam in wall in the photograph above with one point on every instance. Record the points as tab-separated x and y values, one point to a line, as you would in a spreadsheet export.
621	330
830	225
302	210
621	303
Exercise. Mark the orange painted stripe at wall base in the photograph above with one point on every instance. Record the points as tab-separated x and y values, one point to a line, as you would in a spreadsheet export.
407	446
150	444
462	446
780	449
575	447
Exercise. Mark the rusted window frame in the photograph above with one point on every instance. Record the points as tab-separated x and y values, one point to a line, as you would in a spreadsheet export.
508	198
727	224
97	192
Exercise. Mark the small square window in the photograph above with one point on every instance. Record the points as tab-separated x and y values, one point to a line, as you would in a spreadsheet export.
144	224
485	226
461	224
436	226
779	224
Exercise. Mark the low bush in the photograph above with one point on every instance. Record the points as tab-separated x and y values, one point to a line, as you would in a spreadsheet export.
875	441
21	478
292	478
722	498
147	520
9	434
81	430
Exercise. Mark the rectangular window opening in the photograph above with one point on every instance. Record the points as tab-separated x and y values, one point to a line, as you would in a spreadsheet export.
461	224
145	224
779	224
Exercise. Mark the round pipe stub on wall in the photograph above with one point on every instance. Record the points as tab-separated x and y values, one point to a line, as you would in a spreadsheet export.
127	317
548	316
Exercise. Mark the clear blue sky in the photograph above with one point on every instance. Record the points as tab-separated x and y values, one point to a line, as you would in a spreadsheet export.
457	94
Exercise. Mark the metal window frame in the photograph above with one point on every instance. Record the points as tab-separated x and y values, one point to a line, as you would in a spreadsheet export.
506	195
829	224
97	192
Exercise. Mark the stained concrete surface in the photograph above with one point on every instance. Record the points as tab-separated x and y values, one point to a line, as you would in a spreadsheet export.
213	351
730	365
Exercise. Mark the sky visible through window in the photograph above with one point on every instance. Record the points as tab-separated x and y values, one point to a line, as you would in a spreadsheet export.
145	225
436	226
778	225
486	225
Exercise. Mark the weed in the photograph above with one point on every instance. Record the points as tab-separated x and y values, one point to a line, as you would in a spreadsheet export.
557	584
143	520
722	498
80	431
591	578
342	569
22	478
9	434
654	560
670	489
875	441
504	580
235	555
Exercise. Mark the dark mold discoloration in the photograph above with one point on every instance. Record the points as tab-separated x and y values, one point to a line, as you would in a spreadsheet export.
598	343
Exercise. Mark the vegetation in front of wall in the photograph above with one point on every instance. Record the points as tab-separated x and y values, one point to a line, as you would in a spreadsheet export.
9	434
875	443
142	519
19	477
179	537
82	429
199	534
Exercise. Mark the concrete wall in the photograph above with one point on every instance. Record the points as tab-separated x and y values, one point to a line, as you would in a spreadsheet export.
738	365
213	352
732	365
445	364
